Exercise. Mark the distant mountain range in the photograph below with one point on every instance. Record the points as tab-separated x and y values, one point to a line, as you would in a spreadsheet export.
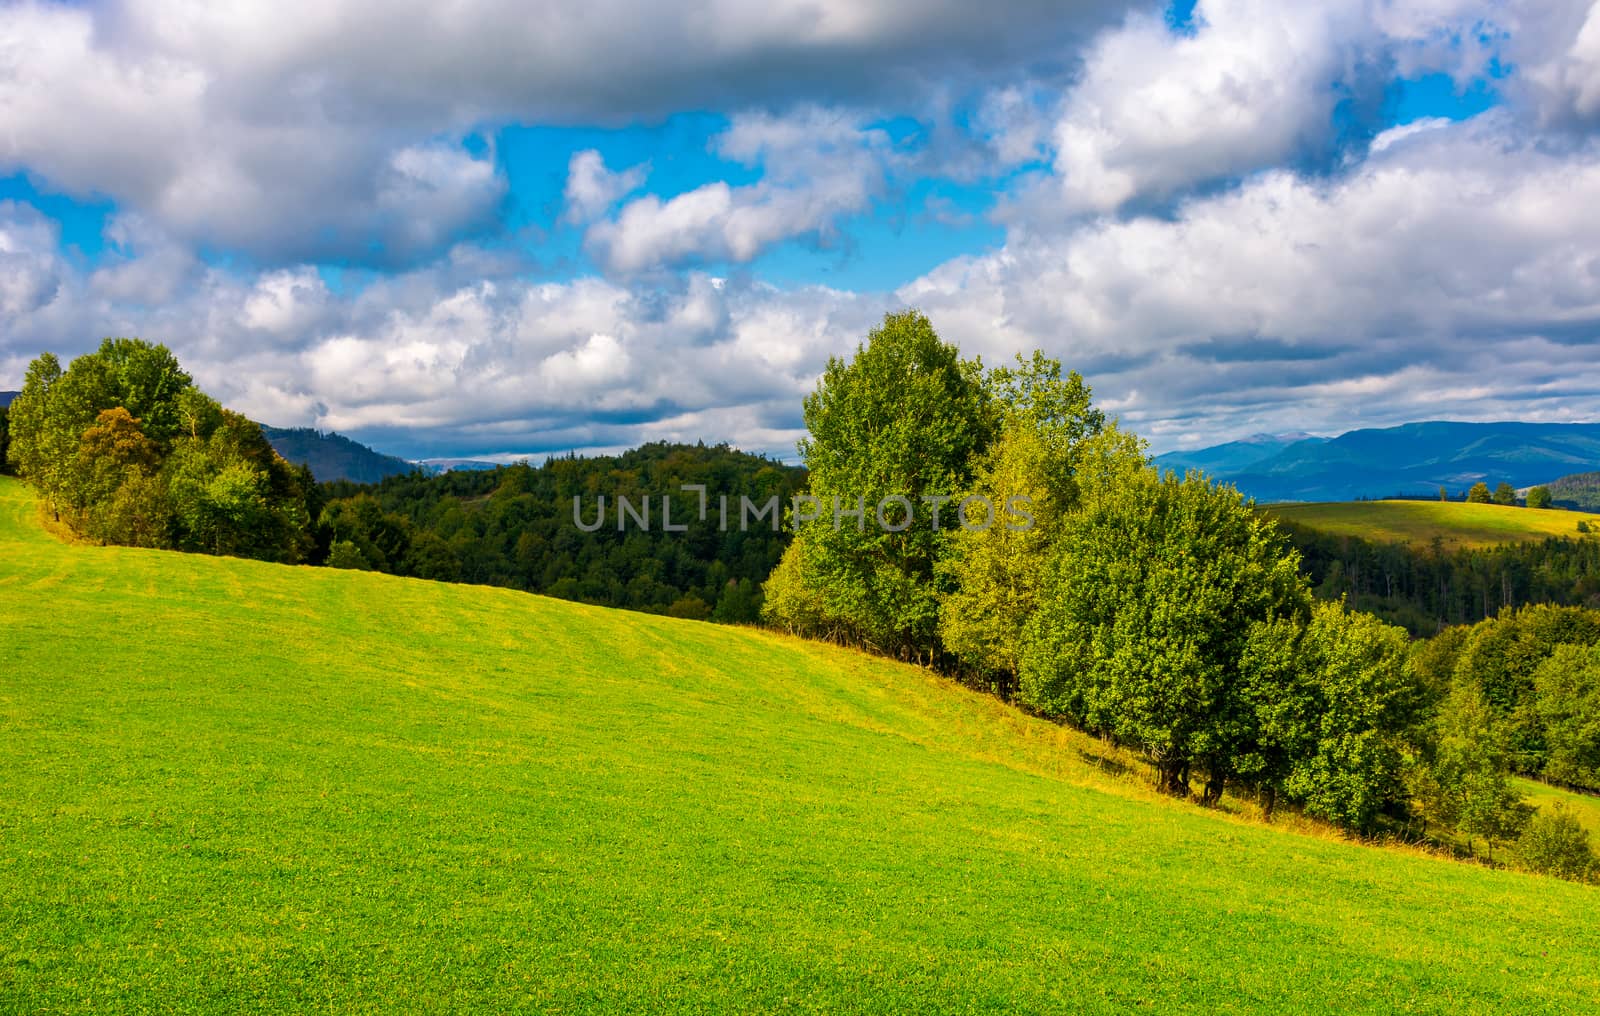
434	467
1415	459
6	397
1235	455
334	456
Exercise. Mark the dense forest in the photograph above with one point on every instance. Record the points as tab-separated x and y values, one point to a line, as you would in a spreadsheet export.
516	526
1426	589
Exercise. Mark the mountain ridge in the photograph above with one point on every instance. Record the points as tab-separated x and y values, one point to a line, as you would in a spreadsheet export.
1412	459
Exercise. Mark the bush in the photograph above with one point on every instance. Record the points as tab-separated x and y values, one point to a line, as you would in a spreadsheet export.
1556	843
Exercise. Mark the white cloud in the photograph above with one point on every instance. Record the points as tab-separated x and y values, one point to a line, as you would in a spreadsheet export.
327	129
818	165
592	189
1469	252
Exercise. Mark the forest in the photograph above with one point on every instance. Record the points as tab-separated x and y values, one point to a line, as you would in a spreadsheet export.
1426	589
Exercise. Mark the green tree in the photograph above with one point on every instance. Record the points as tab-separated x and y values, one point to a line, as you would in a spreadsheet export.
1556	843
1479	494
5	438
1539	497
1567	702
1505	494
1471	770
230	493
900	425
40	446
1030	475
1365	705
1145	614
1444	495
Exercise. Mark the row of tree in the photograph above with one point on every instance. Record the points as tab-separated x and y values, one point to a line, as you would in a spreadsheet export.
124	448
1162	612
1503	494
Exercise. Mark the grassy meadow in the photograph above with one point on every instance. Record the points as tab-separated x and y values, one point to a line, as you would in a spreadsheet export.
242	787
1456	524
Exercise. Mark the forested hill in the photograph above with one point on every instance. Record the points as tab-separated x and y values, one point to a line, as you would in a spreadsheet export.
6	397
514	526
1580	491
334	456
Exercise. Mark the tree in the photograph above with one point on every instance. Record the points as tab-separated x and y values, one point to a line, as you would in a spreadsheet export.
1539	497
1505	494
1567	703
1444	495
1364	704
110	483
1048	427
38	445
1145	614
5	437
1471	769
1479	494
1556	843
901	425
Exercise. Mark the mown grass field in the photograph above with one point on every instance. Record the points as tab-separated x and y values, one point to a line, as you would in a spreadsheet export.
1456	524
238	787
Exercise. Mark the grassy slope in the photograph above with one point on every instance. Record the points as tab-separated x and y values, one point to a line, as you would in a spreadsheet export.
1456	523
237	786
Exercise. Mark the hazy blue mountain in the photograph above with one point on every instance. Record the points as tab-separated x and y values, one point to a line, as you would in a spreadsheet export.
6	397
433	467
1417	459
334	456
1233	457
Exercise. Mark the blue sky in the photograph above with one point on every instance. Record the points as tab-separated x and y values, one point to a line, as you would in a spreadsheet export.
472	232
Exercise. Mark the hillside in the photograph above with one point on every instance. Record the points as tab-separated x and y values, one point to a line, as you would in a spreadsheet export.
1454	524
334	456
1415	459
233	785
6	397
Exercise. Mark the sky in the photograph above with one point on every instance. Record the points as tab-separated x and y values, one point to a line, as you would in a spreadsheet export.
494	229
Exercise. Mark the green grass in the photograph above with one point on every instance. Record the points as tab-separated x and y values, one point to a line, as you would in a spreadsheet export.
1456	524
238	787
1586	807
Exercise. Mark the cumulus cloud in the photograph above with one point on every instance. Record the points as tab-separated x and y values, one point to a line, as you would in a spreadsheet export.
818	165
1461	262
592	189
328	129
30	269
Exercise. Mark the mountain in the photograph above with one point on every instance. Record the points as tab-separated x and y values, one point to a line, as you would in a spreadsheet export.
1234	456
334	456
434	467
1416	459
6	397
